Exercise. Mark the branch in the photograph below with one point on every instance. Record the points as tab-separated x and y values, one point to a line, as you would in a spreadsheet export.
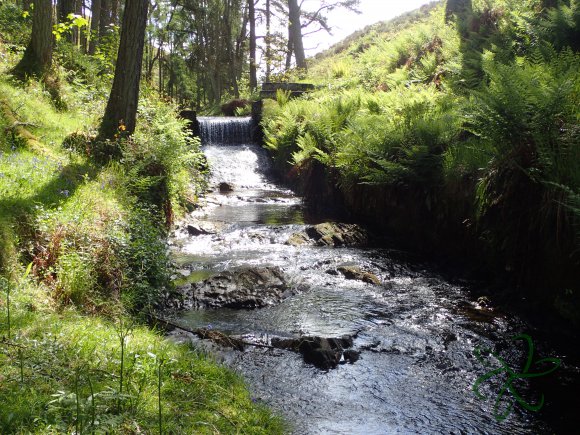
203	333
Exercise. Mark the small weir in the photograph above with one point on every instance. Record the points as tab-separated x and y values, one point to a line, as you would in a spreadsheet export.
414	331
225	130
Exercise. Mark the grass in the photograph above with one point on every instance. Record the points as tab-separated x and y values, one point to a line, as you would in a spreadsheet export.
58	357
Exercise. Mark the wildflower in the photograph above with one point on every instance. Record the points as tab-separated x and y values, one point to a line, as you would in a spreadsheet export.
64	193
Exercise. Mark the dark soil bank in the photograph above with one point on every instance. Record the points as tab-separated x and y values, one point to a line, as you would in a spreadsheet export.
540	278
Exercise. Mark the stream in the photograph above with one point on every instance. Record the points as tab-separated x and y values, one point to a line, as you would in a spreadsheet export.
417	332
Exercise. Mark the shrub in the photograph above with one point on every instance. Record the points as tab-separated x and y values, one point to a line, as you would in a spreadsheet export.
15	25
145	254
76	278
164	164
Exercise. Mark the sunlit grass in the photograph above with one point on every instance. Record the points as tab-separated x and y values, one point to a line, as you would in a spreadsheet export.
54	356
92	248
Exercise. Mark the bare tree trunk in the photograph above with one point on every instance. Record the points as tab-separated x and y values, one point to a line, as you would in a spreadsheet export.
122	106
295	35
95	25
289	52
160	53
268	42
105	17
252	19
37	59
65	7
115	12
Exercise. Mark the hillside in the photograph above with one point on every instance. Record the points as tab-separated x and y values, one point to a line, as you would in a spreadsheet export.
83	260
456	130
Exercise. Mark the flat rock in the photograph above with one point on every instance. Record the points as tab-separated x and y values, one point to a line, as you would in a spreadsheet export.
355	272
330	234
247	288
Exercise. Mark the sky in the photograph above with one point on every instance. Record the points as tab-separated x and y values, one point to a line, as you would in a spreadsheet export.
344	22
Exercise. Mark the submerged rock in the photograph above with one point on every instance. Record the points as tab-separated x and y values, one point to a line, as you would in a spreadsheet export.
196	230
324	353
251	287
351	356
355	272
226	187
330	234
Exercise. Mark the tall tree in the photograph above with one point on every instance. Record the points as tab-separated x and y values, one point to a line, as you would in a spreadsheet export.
268	41
295	33
252	19
122	106
95	25
317	17
37	59
105	17
65	7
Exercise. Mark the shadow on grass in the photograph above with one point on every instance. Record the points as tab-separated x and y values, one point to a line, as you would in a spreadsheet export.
50	196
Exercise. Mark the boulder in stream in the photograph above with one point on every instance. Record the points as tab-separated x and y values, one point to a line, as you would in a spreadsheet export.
197	230
330	234
324	353
226	187
250	287
355	272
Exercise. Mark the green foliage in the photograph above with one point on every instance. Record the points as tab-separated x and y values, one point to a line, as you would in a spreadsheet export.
74	22
163	159
474	112
145	253
532	107
94	243
282	97
75	278
385	138
15	26
562	25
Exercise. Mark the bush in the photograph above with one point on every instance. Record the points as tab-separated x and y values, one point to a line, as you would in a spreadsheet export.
164	164
145	254
15	25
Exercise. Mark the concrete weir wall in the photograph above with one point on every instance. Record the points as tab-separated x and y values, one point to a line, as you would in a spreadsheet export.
256	118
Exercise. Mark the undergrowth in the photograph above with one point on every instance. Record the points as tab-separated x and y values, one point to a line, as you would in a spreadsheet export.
83	256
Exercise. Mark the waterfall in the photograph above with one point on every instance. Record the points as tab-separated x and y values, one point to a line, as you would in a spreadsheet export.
225	130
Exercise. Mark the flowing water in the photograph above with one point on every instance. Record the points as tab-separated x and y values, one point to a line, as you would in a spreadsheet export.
417	332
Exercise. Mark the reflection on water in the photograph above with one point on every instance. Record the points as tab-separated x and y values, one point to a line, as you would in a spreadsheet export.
416	332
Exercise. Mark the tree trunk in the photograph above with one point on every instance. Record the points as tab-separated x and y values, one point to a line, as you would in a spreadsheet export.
289	51
65	7
82	32
252	19
37	59
95	21
122	106
115	12
268	42
295	34
105	18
